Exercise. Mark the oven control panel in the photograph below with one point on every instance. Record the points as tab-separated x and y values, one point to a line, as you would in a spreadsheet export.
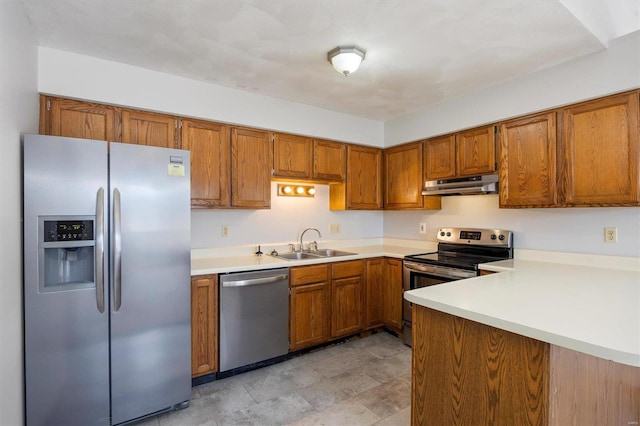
485	237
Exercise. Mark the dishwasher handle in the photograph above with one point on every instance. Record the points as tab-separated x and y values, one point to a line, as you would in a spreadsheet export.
255	281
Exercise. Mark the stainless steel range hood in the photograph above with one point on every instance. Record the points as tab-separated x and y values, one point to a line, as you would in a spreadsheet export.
472	185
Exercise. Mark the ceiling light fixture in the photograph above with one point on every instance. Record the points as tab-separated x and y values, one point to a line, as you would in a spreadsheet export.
346	59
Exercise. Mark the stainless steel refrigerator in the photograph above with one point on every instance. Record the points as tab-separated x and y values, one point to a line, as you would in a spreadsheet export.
106	281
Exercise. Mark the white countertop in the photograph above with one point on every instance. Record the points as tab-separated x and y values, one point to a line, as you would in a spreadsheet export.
215	262
594	310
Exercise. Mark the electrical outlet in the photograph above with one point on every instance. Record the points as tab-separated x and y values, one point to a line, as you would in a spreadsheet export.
225	231
334	228
610	235
423	228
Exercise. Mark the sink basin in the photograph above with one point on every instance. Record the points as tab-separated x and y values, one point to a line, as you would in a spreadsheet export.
331	253
297	256
313	254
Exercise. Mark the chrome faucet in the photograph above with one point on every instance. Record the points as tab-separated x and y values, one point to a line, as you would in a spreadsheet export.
302	235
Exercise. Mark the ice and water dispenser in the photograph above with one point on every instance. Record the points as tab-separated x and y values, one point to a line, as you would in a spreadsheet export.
66	253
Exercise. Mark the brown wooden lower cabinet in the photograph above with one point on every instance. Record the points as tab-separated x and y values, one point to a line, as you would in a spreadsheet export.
309	306
392	294
374	291
204	324
347	291
466	373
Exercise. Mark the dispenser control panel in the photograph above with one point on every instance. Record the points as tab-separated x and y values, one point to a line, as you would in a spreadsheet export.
68	230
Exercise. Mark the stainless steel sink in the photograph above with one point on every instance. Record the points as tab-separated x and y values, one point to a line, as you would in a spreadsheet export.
297	256
332	253
316	254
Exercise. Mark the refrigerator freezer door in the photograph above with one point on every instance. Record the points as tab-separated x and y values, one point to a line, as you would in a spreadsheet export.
150	327
66	336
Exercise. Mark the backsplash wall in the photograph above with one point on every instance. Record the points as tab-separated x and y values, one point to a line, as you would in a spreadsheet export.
576	230
283	223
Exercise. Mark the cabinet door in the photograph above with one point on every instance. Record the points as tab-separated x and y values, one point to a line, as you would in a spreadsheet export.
600	154
440	158
364	178
147	128
374	293
251	159
403	177
346	306
204	324
209	145
292	156
392	294
309	315
528	162
476	151
75	119
329	160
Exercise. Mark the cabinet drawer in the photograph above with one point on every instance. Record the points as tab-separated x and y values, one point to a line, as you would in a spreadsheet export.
347	269
308	274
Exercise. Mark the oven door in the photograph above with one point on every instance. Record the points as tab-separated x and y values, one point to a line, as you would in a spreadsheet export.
417	275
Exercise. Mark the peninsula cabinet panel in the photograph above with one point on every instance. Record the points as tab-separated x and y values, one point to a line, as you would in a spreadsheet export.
476	152
292	156
481	375
528	162
204	324
466	373
329	160
209	145
147	128
251	161
363	187
403	177
440	158
600	153
77	119
392	294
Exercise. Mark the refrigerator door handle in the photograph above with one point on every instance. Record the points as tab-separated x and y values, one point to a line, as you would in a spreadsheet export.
99	255
117	252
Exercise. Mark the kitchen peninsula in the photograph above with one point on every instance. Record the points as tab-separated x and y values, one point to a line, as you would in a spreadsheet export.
538	343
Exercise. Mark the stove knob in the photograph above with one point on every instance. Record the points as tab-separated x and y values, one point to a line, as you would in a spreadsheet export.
442	233
501	237
493	236
448	234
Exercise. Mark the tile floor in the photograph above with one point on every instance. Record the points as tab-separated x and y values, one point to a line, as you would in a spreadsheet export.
363	381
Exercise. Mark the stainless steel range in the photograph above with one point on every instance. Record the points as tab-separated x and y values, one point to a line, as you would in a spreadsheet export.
460	251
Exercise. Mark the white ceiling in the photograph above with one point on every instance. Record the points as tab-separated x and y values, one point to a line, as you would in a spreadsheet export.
419	52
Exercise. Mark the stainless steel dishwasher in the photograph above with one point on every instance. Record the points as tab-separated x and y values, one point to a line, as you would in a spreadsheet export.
254	317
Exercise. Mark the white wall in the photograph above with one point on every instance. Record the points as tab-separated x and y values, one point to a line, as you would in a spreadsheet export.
608	71
577	230
283	223
573	230
18	114
78	76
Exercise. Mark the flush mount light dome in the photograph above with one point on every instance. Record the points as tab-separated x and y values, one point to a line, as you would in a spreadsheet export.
346	59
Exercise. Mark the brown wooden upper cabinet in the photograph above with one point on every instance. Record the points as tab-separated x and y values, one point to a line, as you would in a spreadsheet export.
467	153
292	156
476	151
440	157
403	178
148	128
209	145
251	162
329	160
594	145
528	161
363	187
599	152
77	119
